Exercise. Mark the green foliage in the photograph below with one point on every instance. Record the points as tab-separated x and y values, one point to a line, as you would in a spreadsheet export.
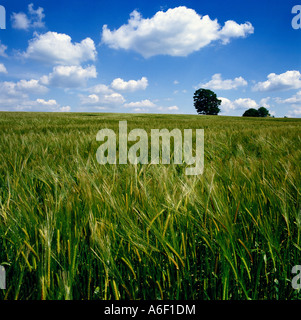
206	102
251	113
261	112
73	229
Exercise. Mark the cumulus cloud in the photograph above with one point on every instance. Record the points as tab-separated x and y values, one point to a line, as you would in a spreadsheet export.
294	102
264	102
232	29
20	21
147	106
57	48
65	109
226	105
173	108
241	103
50	105
141	110
15	95
102	100
176	32
295	99
31	86
23	103
284	81
34	18
131	85
104	97
113	98
8	90
100	89
90	99
295	113
245	103
2	68
3	48
217	83
69	76
140	104
21	88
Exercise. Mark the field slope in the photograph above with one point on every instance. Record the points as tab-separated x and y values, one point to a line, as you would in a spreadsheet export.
73	229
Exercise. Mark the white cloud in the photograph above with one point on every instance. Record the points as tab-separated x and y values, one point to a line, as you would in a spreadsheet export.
241	103
23	103
292	100
232	29
101	97
264	102
245	103
37	16
57	48
15	95
140	104
8	90
100	89
2	50
295	104
50	105
140	110
147	106
173	108
69	76
284	81
65	109
47	103
226	105
176	32
131	85
102	100
2	68
90	99
34	19
295	113
20	21
113	98
217	83
21	88
31	86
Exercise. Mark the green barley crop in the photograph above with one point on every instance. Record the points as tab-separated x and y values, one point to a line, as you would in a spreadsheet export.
73	229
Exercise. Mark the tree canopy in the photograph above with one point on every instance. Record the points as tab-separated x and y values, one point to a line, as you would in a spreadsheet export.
206	102
251	113
261	112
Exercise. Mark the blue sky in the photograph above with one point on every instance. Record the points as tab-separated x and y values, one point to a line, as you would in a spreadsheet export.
149	56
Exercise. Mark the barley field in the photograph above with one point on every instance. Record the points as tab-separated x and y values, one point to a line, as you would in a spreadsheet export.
71	228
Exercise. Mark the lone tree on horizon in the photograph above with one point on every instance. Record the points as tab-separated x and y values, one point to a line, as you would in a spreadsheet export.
206	102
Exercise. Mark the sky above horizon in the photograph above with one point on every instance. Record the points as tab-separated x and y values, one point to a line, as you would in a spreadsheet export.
150	57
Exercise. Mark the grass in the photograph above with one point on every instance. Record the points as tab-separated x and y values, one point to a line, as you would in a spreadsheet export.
73	229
